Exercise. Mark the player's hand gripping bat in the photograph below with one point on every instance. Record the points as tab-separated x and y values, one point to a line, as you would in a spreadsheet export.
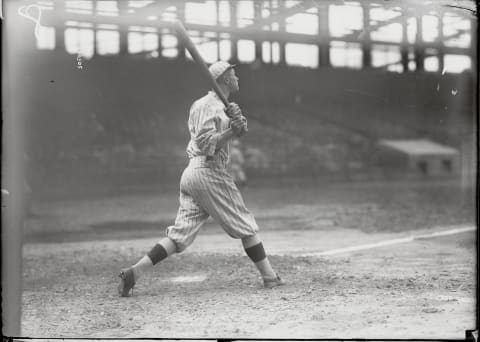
187	42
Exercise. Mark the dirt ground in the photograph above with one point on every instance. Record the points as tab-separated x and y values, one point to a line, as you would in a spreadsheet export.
421	289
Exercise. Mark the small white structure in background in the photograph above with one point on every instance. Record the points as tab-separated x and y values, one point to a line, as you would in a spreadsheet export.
419	157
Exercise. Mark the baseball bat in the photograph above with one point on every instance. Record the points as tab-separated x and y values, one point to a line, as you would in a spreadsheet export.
182	32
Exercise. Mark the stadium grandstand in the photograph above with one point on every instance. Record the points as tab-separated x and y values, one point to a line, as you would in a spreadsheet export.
104	87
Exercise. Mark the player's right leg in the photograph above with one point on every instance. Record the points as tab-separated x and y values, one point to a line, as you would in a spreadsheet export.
254	249
189	220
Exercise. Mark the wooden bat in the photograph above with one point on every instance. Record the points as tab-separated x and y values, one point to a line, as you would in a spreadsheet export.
182	32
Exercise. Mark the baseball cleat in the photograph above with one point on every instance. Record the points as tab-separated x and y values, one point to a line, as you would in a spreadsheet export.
269	283
127	282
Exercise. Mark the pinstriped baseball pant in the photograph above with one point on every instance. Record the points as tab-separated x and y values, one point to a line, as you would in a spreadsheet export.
207	189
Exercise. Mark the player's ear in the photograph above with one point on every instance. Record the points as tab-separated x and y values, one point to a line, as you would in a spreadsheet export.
224	79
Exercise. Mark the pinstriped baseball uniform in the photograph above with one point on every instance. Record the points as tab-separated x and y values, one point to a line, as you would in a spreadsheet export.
206	188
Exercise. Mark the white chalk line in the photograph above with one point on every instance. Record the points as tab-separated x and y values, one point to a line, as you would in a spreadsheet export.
392	242
189	279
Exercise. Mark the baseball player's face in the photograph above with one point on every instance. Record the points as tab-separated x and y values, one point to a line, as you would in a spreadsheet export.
233	81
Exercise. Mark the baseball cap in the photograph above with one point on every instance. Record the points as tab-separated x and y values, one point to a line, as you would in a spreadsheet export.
218	68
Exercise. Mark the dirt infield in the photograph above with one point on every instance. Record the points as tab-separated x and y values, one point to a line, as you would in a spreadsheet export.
422	289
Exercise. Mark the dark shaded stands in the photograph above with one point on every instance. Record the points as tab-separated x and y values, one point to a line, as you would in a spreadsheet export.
123	119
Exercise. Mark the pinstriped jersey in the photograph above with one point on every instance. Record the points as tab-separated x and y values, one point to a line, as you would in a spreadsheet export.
206	120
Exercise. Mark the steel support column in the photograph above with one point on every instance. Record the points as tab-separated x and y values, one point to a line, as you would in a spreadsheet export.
123	29
257	7
441	53
404	47
181	17
233	25
366	44
323	33
419	50
59	8
282	27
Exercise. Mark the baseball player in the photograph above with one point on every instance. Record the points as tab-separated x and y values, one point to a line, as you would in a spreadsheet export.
206	188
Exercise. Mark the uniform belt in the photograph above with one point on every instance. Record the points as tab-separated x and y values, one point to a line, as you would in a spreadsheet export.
206	161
